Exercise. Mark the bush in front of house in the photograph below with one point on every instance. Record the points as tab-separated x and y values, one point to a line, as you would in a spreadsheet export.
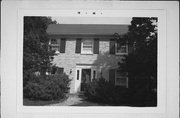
103	91
47	87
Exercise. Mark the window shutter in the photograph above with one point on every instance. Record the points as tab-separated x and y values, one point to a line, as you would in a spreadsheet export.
112	76
63	45
96	46
78	46
130	48
112	46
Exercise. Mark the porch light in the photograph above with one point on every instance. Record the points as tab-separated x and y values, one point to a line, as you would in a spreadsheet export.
70	71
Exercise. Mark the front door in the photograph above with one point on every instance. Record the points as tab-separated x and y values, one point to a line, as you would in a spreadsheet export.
85	78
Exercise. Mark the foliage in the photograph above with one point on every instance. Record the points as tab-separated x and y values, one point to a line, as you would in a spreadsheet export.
141	64
143	36
105	92
35	51
47	87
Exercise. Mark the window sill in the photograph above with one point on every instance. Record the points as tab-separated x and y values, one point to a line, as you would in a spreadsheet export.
54	45
124	86
86	53
121	54
57	52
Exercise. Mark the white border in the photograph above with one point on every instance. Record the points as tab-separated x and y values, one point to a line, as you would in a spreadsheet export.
106	13
12	11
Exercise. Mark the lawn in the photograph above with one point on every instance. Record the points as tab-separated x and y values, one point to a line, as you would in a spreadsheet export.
28	102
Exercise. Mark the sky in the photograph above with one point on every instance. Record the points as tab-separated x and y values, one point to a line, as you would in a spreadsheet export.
92	20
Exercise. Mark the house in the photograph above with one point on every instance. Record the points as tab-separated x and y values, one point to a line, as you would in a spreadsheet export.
88	51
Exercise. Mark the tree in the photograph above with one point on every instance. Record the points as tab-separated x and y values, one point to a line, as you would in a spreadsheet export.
35	51
141	63
143	36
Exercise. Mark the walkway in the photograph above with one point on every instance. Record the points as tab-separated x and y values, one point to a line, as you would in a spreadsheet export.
76	100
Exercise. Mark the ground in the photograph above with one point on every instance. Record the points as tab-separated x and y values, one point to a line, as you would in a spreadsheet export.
77	99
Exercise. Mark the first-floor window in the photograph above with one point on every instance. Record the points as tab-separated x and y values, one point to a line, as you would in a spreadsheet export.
57	70
87	46
121	78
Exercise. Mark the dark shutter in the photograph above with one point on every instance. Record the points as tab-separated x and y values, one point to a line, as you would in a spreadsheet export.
96	46
112	76
78	46
63	45
60	70
130	48
112	46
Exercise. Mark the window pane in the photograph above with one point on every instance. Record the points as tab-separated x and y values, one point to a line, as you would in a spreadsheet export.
120	73
53	41
94	74
87	42
77	74
54	69
87	46
55	48
121	81
121	47
60	70
121	78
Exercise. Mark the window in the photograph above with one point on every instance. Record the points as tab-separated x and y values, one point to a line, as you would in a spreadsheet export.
54	45
53	41
121	78
87	46
77	74
53	71
94	74
121	47
57	70
60	71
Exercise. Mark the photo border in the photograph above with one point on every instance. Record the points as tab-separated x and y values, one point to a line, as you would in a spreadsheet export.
168	22
160	14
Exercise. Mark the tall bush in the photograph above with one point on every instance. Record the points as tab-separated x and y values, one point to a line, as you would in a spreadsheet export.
47	87
105	92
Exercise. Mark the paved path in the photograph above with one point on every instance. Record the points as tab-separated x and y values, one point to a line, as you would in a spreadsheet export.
75	100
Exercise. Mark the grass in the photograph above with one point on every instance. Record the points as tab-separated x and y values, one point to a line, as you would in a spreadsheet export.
28	102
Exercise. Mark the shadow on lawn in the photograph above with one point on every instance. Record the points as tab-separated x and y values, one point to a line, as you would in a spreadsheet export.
28	102
85	102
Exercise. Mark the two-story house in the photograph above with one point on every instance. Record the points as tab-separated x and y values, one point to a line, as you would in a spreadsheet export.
88	51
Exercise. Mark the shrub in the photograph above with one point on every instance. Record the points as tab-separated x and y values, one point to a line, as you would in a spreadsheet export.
105	92
47	87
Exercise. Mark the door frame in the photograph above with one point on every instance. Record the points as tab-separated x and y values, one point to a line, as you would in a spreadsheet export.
80	67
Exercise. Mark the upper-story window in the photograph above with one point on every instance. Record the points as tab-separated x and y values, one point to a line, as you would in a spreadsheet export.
55	45
118	47
87	46
58	45
54	41
121	48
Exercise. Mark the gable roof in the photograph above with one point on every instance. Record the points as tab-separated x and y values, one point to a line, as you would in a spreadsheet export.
86	29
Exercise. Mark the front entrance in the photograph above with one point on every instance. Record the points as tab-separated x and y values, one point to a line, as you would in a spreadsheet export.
85	78
84	75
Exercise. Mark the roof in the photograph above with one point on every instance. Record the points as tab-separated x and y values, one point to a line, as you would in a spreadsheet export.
87	29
